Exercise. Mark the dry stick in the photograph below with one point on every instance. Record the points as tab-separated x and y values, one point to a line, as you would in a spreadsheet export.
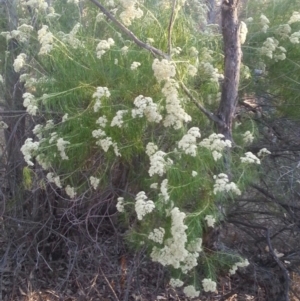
281	265
130	33
111	288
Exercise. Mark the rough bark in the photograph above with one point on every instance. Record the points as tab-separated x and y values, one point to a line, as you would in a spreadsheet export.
232	62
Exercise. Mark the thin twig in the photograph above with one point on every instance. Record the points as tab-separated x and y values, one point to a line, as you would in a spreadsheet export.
130	33
171	24
206	112
111	288
281	265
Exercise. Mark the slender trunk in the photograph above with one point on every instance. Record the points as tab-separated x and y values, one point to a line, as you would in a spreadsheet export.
14	135
232	62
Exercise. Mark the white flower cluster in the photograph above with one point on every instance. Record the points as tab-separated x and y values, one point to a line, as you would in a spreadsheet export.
176	282
103	46
210	220
208	70
135	65
190	291
30	103
209	285
164	190
154	185
65	117
150	41
45	38
131	12
283	30
102	121
174	250
192	70
243	30
157	235
190	261
21	34
264	21
120	204
263	152
215	143
222	185
28	150
3	125
54	179
98	133
143	206
49	124
118	119
37	4
70	191
106	142
294	38
53	137
176	50
281	56
158	164
19	62
70	38
28	80
294	18
195	245
163	70
237	265
248	137
206	54
146	107
61	146
269	47
52	14
250	158
151	148
100	92
25	28
43	161
124	50
194	173
73	1
94	182
193	52
188	141
176	115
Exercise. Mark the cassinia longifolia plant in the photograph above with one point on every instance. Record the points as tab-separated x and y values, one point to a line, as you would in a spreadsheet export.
102	100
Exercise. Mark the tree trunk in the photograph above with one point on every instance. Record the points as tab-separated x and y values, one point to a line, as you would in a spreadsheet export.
232	62
13	101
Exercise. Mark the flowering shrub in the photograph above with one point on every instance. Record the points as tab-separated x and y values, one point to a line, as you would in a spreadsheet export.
108	102
270	50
